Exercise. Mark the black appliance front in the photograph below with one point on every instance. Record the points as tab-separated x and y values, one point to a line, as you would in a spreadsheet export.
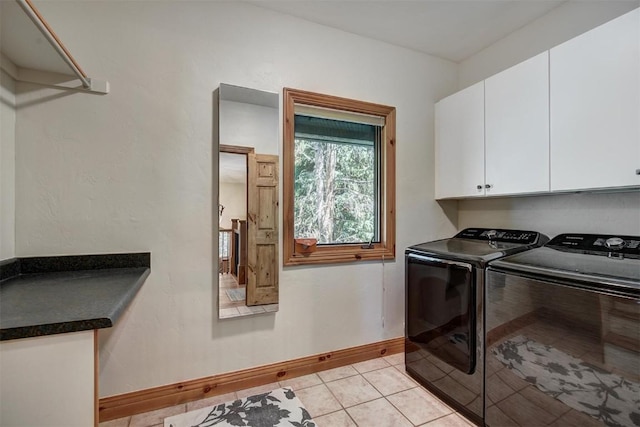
440	309
560	353
443	349
563	334
444	288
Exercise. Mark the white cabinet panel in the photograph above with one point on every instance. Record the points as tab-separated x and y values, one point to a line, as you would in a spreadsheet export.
459	152
517	129
595	107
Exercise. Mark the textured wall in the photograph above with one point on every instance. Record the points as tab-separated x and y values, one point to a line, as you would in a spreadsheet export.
134	171
7	166
614	213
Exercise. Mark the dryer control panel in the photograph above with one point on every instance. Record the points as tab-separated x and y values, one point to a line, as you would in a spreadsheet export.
499	235
598	244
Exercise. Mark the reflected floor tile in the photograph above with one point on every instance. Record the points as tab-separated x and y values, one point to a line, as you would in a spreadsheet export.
454	388
337	373
497	390
575	418
512	380
379	413
543	400
413	356
418	405
389	380
245	310
496	418
492	364
336	419
524	412
353	390
271	308
226	313
443	366
318	400
427	370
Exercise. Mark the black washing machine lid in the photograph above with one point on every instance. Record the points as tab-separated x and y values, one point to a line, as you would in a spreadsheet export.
479	246
600	261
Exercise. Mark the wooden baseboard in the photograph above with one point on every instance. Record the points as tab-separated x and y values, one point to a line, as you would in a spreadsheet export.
124	405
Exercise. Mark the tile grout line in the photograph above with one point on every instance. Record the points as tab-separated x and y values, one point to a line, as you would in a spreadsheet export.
391	403
381	394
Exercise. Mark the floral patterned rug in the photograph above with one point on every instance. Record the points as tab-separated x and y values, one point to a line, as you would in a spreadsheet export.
277	408
610	398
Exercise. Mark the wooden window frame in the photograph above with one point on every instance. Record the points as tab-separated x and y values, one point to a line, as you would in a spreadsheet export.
386	248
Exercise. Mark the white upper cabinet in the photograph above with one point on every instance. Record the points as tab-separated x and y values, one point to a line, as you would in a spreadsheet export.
459	152
595	107
517	129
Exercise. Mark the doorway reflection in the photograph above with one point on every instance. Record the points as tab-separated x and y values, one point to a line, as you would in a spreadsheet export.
232	236
248	141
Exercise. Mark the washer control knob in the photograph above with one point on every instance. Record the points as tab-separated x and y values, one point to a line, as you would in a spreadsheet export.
491	234
615	243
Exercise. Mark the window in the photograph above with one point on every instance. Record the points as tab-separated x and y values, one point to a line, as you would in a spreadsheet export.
339	178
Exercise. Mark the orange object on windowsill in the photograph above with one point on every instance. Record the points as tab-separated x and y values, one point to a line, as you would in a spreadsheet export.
305	246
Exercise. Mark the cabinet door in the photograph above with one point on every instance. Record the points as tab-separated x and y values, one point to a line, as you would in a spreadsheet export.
595	107
517	129
459	151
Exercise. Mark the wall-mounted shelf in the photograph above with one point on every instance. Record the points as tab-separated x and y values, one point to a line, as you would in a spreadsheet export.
32	52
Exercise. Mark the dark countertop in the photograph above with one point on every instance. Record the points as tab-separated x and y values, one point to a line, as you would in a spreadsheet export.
53	295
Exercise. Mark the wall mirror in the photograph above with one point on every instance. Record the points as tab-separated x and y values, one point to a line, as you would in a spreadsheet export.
248	178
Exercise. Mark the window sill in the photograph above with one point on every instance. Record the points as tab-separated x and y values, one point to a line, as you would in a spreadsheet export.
333	255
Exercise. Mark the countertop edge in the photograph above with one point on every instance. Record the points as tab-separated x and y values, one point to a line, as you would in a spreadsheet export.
128	298
105	318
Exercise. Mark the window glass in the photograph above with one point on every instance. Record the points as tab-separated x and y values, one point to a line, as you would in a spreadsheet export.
336	180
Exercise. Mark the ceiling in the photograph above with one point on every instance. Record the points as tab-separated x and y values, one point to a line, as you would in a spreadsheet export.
449	29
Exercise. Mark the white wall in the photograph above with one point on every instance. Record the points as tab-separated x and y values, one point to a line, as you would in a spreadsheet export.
616	213
234	199
7	166
134	171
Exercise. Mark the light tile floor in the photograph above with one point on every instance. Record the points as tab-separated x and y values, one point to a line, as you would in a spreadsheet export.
374	393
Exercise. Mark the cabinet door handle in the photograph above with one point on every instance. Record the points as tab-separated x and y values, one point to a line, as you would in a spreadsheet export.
487	186
479	187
